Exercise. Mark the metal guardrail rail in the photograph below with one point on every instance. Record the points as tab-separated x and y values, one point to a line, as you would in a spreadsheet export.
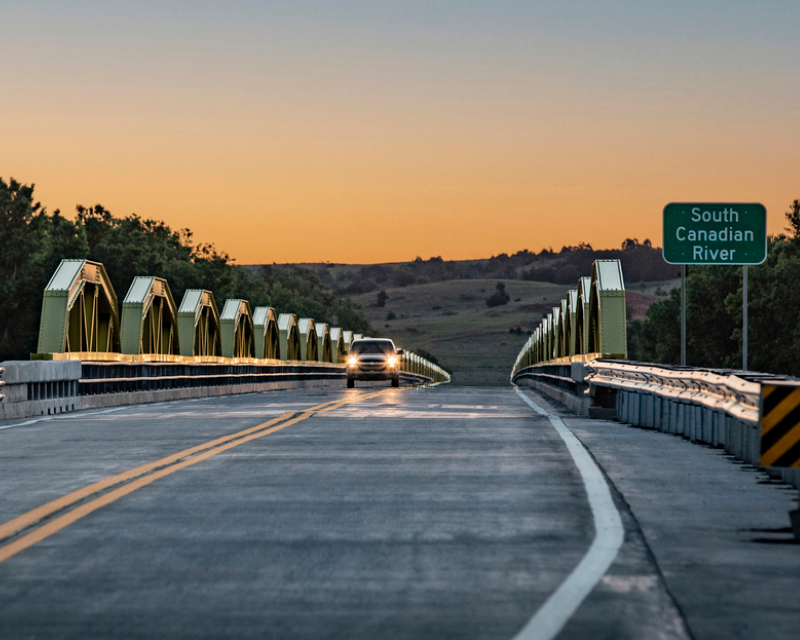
2	371
40	387
719	407
105	378
555	374
736	393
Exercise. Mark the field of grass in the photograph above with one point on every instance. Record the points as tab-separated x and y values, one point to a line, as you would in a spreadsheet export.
474	342
451	320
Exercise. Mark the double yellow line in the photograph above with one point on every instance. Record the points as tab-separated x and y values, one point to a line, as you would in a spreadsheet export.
34	526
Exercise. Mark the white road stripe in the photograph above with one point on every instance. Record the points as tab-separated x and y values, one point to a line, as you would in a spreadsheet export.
548	621
62	416
21	424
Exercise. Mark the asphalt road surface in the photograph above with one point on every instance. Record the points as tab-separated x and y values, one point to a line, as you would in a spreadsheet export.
374	513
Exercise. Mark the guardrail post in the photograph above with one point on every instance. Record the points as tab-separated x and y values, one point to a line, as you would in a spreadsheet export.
705	426
643	417
680	423
755	439
622	406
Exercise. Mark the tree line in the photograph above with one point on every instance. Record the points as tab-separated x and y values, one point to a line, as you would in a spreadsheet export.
33	242
714	313
641	262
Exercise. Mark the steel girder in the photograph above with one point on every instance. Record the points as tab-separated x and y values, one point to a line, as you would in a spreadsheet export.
590	322
338	348
199	324
80	320
324	347
149	318
289	336
308	339
236	329
267	336
79	310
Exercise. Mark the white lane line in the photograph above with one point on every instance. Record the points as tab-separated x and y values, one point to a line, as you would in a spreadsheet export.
21	424
94	413
548	621
62	416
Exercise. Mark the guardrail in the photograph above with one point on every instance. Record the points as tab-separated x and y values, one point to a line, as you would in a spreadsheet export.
591	320
721	408
47	387
735	393
101	378
413	363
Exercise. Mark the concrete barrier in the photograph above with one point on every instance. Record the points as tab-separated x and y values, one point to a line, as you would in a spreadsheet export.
35	388
41	387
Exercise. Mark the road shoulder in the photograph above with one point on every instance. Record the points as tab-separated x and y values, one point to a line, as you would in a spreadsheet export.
717	528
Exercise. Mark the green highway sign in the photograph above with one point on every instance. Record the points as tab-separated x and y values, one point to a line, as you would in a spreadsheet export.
715	233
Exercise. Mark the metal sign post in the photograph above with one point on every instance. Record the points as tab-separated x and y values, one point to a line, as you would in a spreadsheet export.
715	233
683	315
744	318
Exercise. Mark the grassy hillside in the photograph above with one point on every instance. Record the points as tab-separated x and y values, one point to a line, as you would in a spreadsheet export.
441	306
451	320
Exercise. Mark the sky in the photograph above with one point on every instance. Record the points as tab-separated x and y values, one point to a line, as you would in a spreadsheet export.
376	131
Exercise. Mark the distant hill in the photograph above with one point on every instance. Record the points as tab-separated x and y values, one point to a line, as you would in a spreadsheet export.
475	342
450	319
441	306
641	262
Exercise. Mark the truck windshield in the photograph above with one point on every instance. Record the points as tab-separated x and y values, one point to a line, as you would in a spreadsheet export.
372	346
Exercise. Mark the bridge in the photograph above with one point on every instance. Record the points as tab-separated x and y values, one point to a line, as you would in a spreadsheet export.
173	471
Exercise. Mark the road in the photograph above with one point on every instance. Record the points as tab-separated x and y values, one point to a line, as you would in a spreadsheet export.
437	512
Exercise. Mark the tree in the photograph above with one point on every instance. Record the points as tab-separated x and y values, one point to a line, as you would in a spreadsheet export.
715	313
32	243
710	337
499	297
793	217
299	290
774	310
382	298
660	331
711	321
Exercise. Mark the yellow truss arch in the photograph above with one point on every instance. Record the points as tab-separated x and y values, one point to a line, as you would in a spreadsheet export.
79	310
149	318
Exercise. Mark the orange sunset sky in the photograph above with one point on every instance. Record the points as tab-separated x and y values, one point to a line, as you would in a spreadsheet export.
380	131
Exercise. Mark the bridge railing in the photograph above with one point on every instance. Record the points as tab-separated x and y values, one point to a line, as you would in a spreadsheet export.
590	321
81	320
90	355
49	387
415	364
720	408
577	356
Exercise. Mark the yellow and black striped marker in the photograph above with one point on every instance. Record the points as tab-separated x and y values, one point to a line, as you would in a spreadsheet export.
780	425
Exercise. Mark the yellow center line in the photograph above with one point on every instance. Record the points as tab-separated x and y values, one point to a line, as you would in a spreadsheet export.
45	510
140	477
